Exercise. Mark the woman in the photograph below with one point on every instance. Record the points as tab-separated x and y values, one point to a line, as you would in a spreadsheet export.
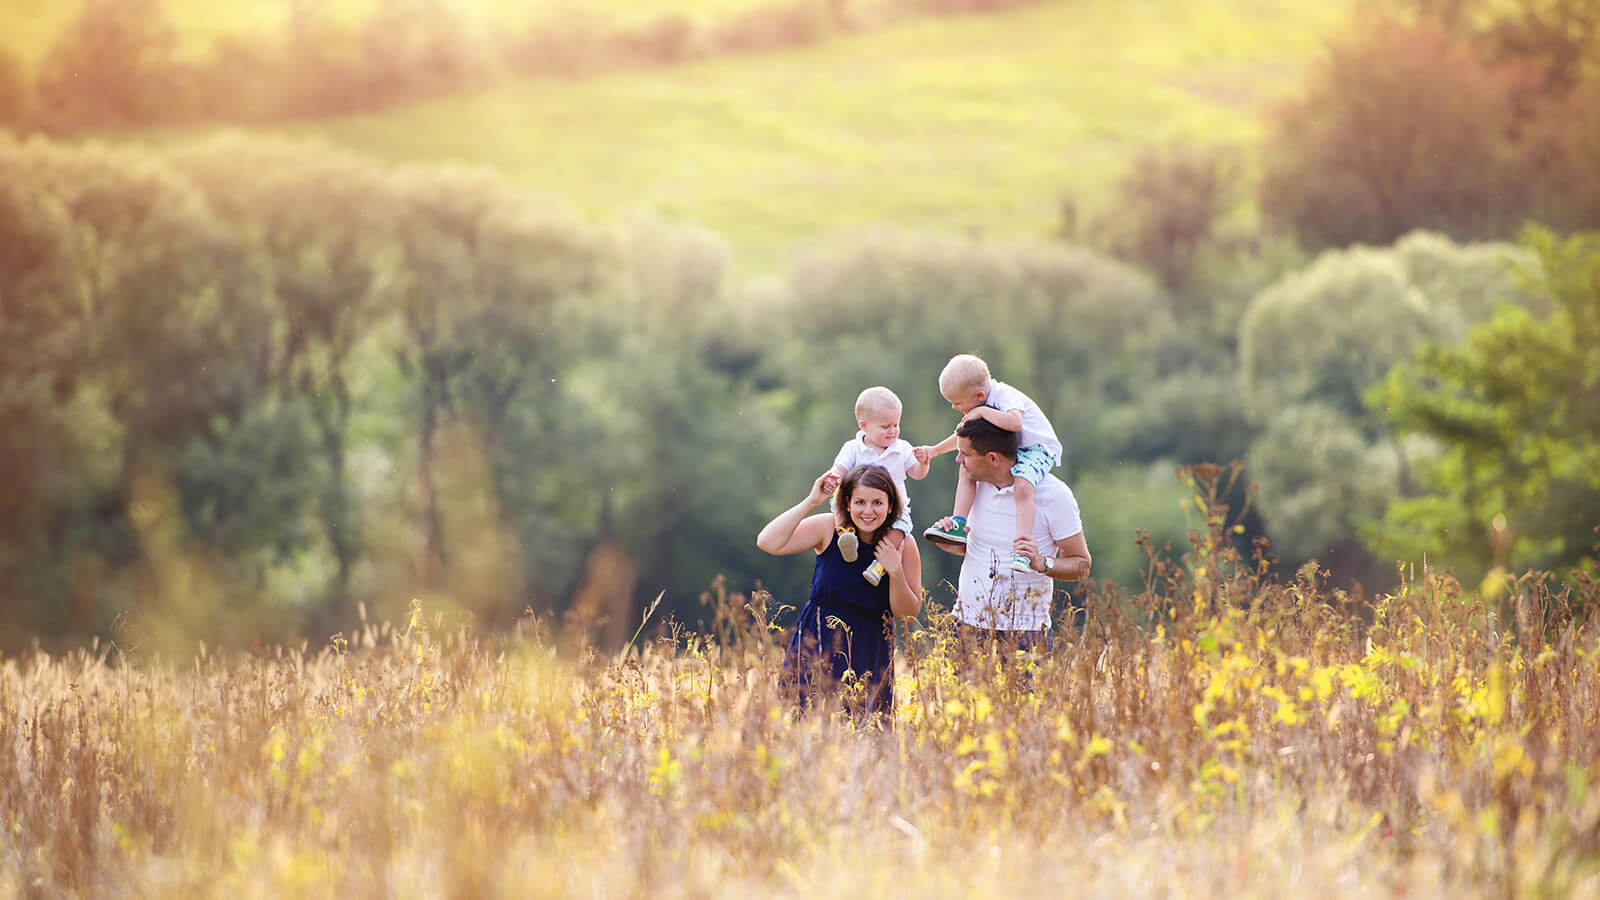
845	625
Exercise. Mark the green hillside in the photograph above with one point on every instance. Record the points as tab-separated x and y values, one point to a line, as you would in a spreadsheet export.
970	124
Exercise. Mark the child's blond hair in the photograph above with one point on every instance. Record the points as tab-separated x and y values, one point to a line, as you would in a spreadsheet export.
875	399
963	374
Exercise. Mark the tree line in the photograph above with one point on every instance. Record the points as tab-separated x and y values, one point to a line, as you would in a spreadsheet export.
254	387
121	63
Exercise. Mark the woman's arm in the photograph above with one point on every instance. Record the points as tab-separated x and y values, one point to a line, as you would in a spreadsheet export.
905	577
792	532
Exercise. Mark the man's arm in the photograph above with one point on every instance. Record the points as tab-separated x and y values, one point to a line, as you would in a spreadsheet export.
1070	563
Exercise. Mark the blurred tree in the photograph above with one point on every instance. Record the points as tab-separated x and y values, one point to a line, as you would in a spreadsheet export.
417	47
1167	209
1560	38
146	324
491	298
1319	479
1312	344
14	91
1324	334
1401	127
1517	412
114	65
318	221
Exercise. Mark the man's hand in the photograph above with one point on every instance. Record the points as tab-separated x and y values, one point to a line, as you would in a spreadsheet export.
945	524
1028	547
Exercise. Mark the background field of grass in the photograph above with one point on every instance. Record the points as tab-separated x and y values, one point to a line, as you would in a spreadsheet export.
965	124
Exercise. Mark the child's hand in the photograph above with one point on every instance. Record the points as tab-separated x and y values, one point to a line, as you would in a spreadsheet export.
830	483
922	454
975	413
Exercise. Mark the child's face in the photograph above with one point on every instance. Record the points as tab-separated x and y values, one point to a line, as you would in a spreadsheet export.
880	428
965	401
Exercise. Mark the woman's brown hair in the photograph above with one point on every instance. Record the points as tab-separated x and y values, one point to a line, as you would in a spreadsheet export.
869	475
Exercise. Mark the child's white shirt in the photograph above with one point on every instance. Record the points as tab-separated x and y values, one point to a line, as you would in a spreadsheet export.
1036	429
897	457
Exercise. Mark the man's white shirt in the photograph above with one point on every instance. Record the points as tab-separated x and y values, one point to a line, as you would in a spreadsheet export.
990	593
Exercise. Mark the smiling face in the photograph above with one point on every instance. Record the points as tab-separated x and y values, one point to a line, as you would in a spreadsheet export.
869	509
880	428
867	500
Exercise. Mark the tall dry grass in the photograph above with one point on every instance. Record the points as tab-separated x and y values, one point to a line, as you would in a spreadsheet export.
1220	734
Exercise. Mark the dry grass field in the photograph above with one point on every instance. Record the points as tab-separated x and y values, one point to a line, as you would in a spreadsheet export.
1219	735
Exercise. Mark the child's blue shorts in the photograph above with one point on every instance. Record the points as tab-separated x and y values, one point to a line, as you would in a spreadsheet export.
1033	463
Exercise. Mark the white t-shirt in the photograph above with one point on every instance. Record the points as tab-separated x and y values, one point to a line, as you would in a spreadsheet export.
990	593
1036	428
896	458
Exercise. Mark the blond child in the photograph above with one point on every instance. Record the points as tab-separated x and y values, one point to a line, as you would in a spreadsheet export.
966	383
878	442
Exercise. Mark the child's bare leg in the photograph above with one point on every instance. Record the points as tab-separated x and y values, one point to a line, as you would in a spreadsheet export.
966	492
1022	491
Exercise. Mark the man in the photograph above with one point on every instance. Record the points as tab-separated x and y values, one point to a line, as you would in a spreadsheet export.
995	604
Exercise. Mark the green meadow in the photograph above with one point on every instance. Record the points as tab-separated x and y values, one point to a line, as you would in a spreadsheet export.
974	124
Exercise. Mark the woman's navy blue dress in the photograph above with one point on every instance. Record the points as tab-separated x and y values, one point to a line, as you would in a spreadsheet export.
844	626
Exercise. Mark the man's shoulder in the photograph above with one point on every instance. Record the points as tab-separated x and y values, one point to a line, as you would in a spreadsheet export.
1053	490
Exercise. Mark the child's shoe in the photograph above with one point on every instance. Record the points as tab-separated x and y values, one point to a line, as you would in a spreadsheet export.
849	544
874	573
1020	563
955	534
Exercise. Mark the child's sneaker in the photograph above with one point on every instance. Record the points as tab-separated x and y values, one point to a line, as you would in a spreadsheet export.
955	534
874	573
1020	563
848	544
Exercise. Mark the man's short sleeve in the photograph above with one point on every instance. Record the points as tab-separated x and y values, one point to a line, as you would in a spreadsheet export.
1060	509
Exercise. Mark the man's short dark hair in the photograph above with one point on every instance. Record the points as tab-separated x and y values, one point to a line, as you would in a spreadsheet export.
987	437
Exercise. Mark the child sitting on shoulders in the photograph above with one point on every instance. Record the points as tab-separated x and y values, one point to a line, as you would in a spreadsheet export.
879	443
967	385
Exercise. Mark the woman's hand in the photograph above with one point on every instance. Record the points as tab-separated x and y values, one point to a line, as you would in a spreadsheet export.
823	487
889	557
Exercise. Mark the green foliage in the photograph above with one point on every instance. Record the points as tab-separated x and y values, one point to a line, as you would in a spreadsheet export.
1318	476
1118	502
1312	344
1514	411
1323	334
